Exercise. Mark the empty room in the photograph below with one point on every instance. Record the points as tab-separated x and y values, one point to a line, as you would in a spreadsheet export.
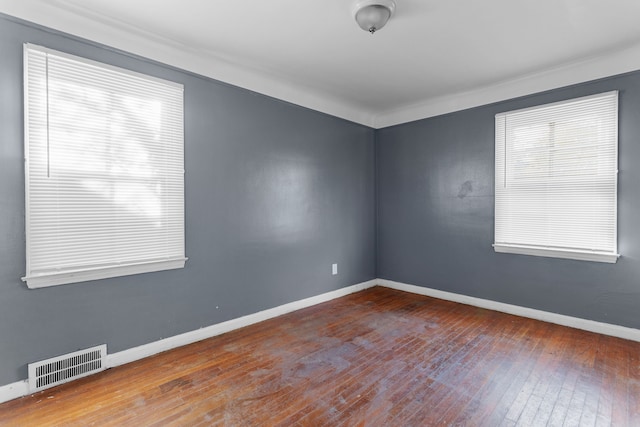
319	213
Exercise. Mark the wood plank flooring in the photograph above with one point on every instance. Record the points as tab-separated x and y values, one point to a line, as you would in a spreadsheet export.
379	357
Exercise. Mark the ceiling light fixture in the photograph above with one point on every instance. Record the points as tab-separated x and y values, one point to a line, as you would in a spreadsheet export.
372	15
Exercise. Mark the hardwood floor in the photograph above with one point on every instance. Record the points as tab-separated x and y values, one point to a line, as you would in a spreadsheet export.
379	357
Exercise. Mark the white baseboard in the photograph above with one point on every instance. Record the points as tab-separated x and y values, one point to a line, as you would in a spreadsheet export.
21	388
559	319
146	350
14	390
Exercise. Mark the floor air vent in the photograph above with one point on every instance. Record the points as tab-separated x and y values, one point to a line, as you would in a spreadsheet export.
62	369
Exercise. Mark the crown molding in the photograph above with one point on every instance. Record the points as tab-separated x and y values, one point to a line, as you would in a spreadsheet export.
78	21
615	62
81	22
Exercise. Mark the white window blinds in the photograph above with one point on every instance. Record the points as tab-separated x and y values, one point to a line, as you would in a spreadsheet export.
556	179
104	170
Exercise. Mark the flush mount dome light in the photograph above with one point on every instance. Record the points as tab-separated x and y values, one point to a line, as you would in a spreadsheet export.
372	15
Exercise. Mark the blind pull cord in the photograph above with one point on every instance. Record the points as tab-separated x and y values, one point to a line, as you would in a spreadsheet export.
47	107
504	182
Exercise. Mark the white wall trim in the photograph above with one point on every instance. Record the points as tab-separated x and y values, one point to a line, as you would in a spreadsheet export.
616	62
14	390
21	388
559	319
80	21
146	350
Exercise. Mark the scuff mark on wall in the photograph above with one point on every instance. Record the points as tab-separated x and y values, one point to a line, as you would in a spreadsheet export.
465	189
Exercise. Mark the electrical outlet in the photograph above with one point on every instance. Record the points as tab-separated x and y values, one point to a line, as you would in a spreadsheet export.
334	269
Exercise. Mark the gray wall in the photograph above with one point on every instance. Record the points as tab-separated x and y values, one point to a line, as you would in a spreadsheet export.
435	206
275	193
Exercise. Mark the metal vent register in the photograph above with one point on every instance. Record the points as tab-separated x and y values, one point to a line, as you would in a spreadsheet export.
65	368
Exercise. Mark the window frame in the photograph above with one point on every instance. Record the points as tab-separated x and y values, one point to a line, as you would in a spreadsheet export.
501	170
34	279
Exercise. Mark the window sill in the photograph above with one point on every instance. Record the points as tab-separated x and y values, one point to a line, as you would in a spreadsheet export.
606	257
44	280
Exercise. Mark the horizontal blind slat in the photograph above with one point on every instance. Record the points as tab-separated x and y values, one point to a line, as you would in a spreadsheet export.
556	175
105	158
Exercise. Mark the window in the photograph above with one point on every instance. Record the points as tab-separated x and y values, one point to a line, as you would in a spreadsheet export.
556	179
104	170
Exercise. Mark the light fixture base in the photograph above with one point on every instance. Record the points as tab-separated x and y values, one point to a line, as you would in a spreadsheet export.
372	15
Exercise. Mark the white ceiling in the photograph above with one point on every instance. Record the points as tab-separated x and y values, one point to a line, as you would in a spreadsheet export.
433	57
